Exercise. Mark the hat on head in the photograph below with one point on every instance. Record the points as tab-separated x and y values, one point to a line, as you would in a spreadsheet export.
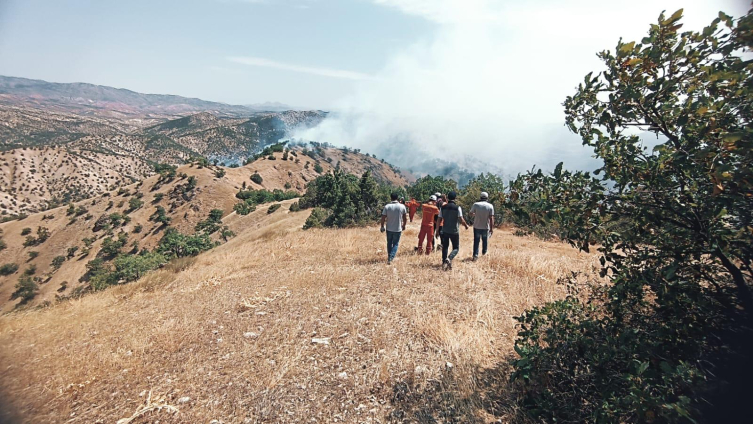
438	194
484	195
452	195
433	197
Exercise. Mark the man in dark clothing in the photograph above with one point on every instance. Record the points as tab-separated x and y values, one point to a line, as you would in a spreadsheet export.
450	218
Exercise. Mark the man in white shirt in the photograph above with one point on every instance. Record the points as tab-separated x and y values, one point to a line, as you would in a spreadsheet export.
396	217
483	223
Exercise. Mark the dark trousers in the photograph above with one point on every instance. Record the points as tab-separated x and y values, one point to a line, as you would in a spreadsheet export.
446	239
482	235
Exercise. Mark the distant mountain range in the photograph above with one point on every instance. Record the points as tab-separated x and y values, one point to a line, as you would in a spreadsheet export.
73	141
90	99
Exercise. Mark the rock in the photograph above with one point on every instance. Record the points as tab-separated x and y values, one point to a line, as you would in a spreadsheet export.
250	335
321	340
184	399
343	375
449	365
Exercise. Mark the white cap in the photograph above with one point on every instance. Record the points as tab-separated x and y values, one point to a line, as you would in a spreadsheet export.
433	197
484	195
438	194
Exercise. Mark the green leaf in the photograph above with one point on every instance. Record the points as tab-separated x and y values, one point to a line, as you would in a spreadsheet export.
674	18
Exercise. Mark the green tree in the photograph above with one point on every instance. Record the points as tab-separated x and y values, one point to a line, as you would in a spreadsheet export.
58	261
26	290
674	224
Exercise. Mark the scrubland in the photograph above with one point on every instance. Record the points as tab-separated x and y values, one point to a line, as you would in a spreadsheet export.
286	325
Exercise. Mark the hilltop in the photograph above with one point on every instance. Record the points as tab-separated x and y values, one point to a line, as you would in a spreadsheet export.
110	102
315	328
77	232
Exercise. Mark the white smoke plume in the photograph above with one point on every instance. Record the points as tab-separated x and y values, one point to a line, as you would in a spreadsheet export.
486	89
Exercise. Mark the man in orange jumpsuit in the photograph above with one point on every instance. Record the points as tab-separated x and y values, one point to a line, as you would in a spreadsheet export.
429	211
412	207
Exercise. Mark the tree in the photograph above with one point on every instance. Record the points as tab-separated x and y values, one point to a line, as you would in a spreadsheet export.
428	185
674	224
26	290
58	261
256	178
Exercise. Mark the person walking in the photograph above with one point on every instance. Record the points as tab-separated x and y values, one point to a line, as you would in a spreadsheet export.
412	207
439	203
483	223
450	218
396	216
429	213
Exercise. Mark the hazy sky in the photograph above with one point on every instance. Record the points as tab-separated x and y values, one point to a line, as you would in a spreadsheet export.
484	78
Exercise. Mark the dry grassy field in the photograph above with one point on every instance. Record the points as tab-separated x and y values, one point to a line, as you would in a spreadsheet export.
286	325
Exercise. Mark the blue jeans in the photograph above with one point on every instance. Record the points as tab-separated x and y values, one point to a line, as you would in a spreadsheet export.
393	239
482	235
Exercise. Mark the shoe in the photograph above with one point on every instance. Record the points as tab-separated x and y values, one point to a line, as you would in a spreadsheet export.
415	249
449	265
389	261
446	265
475	258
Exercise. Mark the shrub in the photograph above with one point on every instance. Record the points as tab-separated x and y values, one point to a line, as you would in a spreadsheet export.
295	207
3	246
244	208
257	178
158	197
273	208
317	219
160	216
137	229
176	245
30	270
219	173
212	223
8	269
318	168
72	251
32	255
26	231
134	203
26	290
132	267
58	261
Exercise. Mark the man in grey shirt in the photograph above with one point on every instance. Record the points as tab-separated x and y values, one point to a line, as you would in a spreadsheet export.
396	216
483	223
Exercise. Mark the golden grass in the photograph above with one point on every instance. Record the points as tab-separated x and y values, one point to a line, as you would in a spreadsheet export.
228	337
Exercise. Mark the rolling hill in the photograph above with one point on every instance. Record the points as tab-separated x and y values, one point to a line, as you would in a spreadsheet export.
187	199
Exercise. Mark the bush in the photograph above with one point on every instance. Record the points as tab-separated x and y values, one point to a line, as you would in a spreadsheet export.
3	246
243	208
132	267
317	219
176	245
318	168
58	261
273	208
26	290
219	173
134	203
137	229
257	178
72	251
295	207
8	269
26	231
212	223
160	216
32	255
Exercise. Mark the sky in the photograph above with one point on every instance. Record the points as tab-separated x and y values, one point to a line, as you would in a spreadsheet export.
475	80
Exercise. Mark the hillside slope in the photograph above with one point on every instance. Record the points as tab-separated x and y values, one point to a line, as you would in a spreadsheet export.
84	230
284	325
33	178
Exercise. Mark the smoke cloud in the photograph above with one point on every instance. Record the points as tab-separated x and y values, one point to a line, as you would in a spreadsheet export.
485	91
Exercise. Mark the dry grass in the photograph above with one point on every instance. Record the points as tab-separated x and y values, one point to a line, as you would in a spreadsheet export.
229	336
